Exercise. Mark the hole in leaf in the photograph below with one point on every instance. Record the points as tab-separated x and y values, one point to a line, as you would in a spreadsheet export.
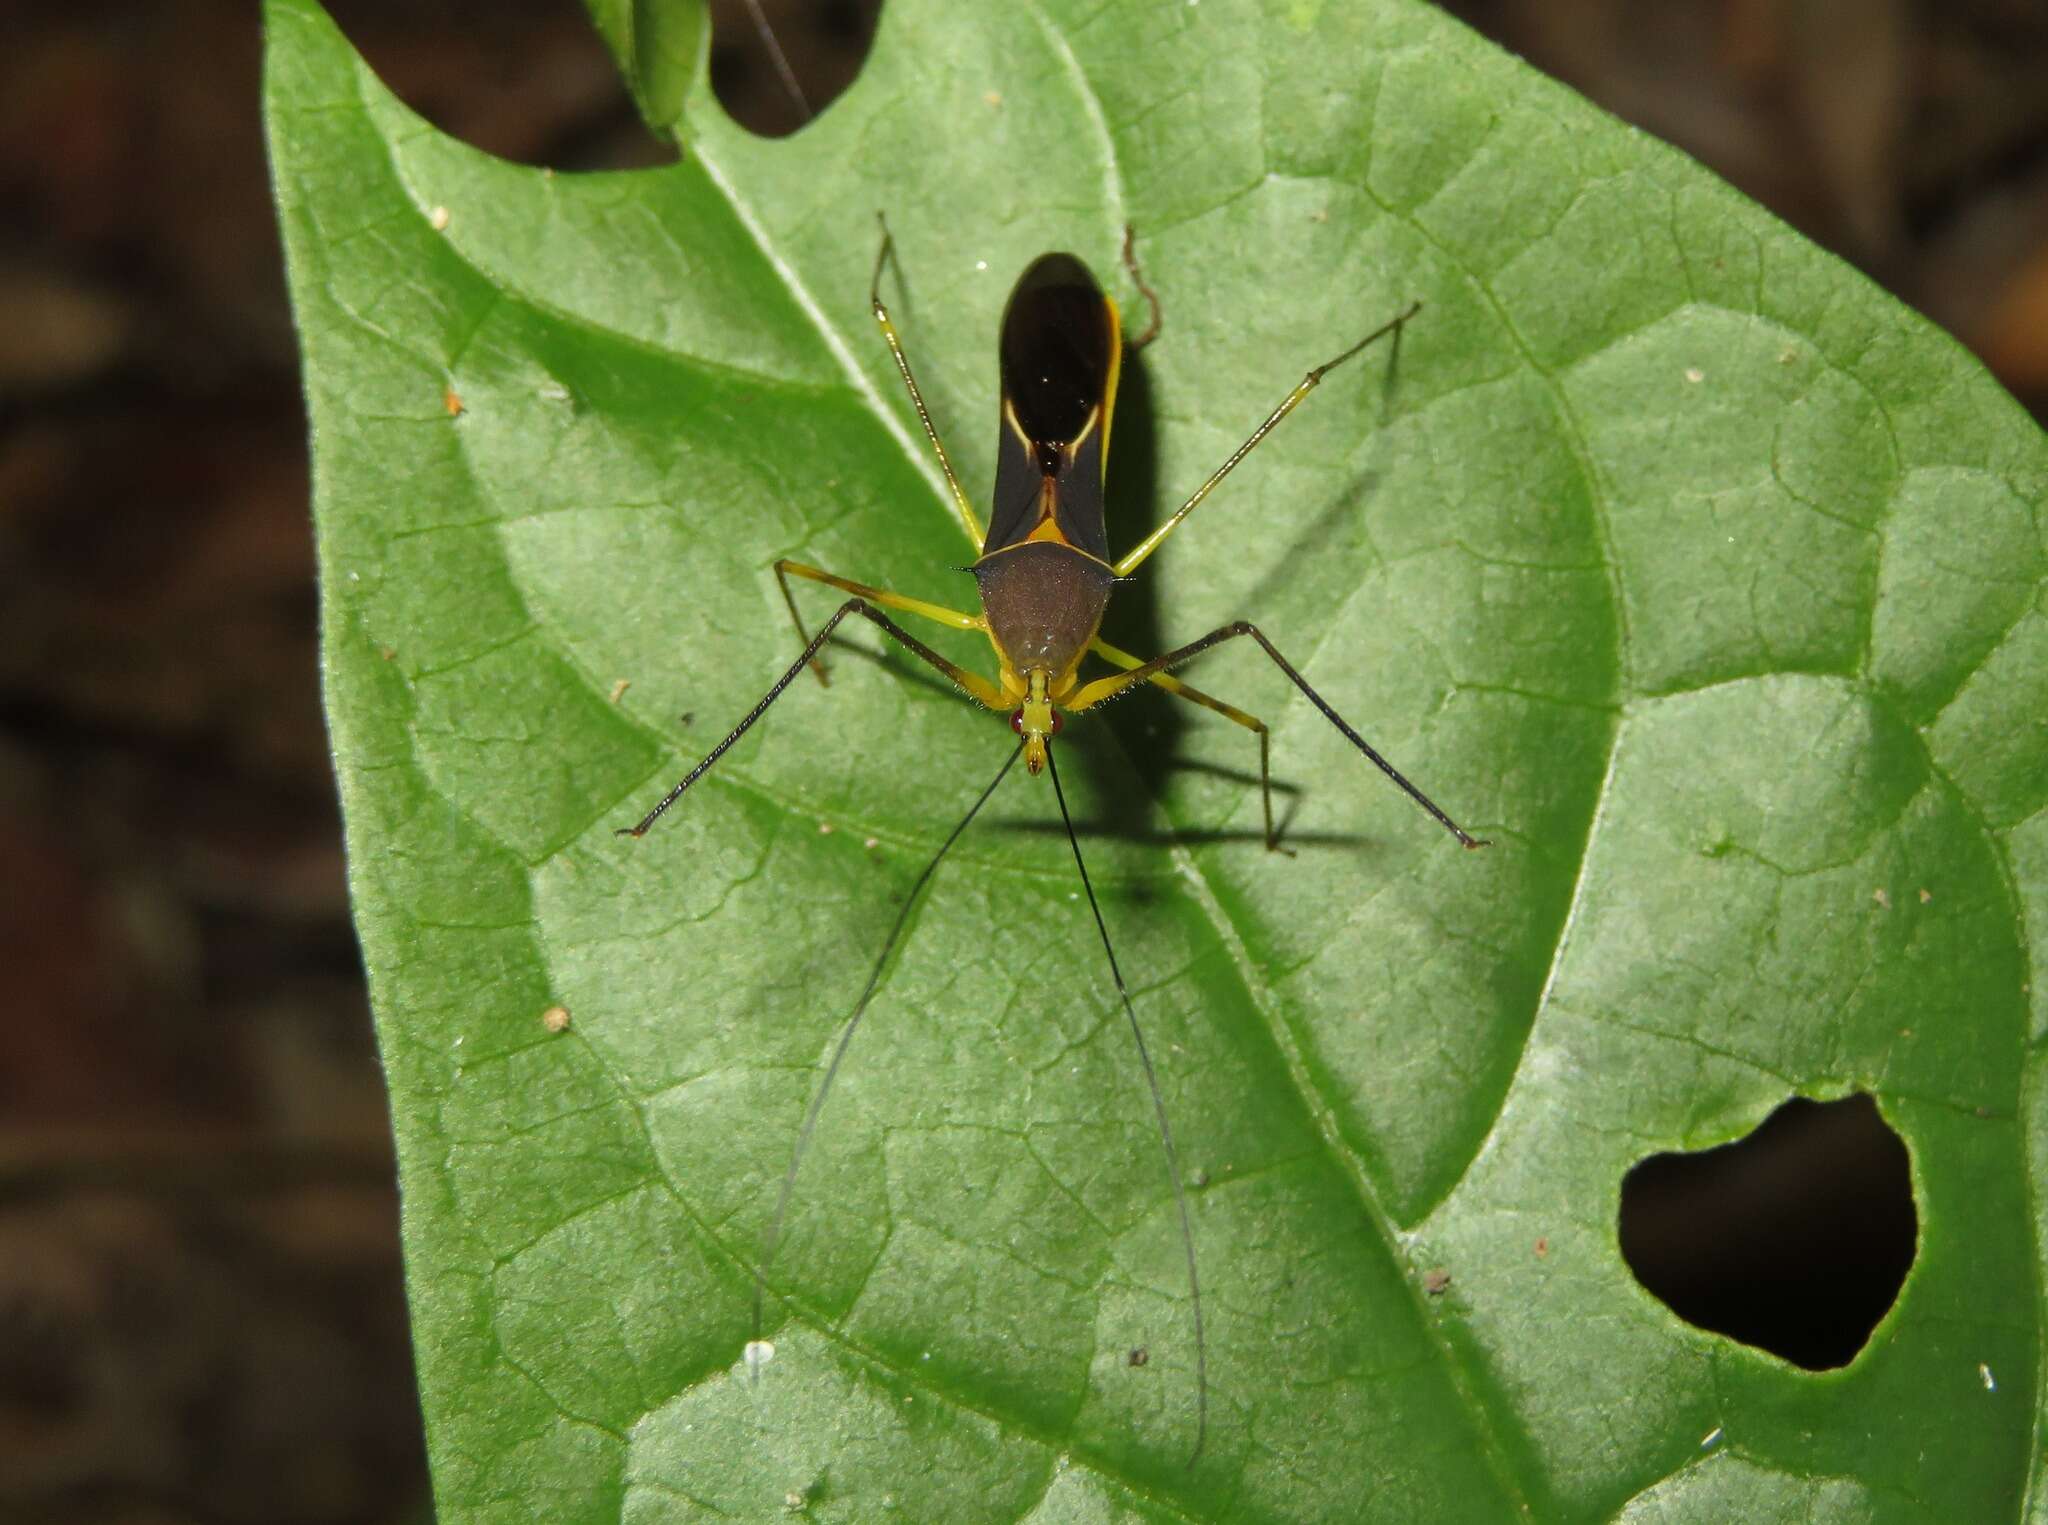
1795	1239
821	46
526	80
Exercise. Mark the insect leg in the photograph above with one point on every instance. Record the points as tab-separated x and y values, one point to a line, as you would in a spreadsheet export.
977	687
961	506
780	59
1194	695
1103	689
785	569
1293	399
1144	290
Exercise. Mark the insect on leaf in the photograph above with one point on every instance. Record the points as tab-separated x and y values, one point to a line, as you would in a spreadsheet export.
1666	551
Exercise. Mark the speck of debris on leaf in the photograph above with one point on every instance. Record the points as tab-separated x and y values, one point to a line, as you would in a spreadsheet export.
1139	1356
555	1019
1542	1247
1925	896
452	401
1884	901
1436	1282
438	219
619	689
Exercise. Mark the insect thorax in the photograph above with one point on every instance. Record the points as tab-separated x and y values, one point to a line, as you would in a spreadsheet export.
1044	603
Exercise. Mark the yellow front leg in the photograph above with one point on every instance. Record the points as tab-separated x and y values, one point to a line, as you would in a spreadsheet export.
982	690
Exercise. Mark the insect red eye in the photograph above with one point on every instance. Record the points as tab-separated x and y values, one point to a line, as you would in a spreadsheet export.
1056	723
1017	721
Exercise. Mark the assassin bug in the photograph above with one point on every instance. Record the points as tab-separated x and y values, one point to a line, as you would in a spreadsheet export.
1045	575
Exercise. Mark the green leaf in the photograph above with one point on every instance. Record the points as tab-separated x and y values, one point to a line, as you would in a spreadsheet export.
1693	570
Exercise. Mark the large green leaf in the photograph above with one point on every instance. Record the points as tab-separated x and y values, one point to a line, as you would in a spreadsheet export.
1693	570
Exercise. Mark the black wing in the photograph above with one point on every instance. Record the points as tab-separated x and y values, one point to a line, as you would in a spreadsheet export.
1061	350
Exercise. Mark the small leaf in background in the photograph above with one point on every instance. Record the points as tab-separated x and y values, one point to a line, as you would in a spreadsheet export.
1697	573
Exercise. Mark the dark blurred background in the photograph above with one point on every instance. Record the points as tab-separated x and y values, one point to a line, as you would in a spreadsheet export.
201	1316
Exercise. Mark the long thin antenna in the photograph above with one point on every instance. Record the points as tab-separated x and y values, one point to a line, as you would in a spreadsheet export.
773	1237
1180	1195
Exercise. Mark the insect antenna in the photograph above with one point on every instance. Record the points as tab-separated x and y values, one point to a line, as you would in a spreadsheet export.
1180	1196
773	1237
